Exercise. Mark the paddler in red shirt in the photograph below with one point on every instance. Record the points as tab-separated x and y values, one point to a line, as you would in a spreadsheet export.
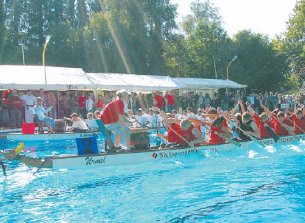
114	119
281	125
298	121
181	132
261	123
219	128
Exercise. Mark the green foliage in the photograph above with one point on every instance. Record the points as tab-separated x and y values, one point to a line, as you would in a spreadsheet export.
292	83
294	42
258	65
141	36
205	42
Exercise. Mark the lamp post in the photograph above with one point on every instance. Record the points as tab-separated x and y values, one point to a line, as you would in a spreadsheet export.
22	51
215	71
233	59
48	37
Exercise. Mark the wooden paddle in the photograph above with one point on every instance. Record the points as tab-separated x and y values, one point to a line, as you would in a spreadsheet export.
251	137
180	136
228	139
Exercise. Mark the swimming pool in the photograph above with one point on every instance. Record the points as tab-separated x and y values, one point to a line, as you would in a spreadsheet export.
254	185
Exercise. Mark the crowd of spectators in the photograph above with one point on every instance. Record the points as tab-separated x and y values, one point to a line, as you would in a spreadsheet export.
16	106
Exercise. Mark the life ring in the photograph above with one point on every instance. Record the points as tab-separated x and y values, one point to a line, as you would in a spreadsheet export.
19	148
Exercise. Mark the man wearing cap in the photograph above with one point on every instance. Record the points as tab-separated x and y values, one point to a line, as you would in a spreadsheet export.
40	112
29	101
113	117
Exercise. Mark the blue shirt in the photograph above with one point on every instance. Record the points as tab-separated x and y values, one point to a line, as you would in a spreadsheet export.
40	112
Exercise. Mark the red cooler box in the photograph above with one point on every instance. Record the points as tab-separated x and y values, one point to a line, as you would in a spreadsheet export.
28	128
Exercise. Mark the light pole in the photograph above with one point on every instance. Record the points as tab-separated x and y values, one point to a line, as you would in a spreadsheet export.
215	71
233	59
48	37
22	50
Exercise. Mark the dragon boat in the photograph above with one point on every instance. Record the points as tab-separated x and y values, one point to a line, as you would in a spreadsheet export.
116	158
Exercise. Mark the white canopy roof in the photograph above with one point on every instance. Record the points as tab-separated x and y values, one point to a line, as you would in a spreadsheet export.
132	82
201	83
63	78
32	77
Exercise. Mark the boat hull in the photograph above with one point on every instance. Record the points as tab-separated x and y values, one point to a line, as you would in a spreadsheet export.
143	156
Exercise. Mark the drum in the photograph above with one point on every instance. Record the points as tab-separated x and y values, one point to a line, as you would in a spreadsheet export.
60	126
139	139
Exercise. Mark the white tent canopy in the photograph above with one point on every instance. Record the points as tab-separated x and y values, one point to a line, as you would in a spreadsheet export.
201	83
63	78
132	82
32	77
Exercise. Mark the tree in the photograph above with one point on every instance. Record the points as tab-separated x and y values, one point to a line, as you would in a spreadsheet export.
294	40
127	36
258	64
204	46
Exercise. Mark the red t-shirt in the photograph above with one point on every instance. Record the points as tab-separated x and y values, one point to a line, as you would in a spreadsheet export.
81	101
299	125
215	139
170	99
159	100
111	112
279	128
263	133
174	138
99	103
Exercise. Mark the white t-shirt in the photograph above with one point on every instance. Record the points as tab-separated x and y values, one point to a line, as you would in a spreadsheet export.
29	99
89	104
80	124
190	115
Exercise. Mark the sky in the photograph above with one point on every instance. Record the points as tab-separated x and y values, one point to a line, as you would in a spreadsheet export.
260	16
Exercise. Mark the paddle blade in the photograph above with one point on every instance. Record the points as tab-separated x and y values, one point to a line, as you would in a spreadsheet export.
19	148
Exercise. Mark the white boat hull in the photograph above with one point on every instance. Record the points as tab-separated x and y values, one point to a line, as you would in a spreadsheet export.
136	157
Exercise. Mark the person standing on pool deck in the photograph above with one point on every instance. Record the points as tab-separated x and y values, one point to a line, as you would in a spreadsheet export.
29	101
114	119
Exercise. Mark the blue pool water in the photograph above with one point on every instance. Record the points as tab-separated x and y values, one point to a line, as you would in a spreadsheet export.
243	185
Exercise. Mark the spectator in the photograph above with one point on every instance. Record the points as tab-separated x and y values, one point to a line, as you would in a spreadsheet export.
74	102
99	103
15	106
169	102
29	102
40	112
82	104
158	100
89	103
53	104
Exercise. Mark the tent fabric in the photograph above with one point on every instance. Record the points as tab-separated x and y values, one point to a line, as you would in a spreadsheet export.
63	78
32	77
132	82
201	83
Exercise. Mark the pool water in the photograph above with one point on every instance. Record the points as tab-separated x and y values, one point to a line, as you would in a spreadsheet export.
243	185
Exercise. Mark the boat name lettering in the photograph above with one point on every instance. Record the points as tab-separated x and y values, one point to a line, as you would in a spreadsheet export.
95	160
286	139
169	154
268	141
302	137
